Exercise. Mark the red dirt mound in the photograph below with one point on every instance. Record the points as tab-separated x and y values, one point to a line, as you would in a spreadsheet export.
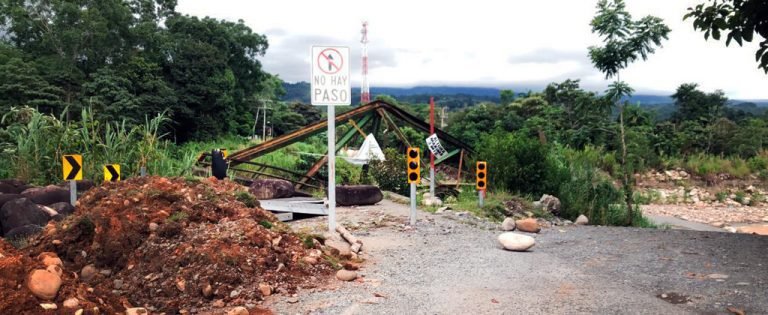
169	245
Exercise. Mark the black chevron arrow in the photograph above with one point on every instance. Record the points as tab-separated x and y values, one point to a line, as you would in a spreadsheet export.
75	167
114	173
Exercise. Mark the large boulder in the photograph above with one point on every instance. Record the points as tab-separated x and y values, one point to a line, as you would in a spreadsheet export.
271	189
516	242
8	197
20	212
63	208
23	231
12	186
47	195
358	195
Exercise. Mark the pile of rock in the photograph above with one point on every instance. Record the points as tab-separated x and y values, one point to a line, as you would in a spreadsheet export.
25	210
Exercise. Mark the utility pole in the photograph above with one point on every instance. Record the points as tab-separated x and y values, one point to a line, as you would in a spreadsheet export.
264	121
365	89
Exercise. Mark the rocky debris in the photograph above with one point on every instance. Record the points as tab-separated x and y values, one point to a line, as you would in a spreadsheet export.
709	214
516	206
49	306
271	189
136	311
105	255
341	247
71	303
88	272
358	195
508	224
238	311
20	212
549	203
582	220
266	289
346	275
428	200
529	225
43	284
47	195
753	229
516	242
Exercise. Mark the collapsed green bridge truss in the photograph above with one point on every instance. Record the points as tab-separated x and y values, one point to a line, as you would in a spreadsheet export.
369	116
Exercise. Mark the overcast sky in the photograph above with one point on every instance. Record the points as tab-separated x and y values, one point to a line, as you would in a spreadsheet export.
502	44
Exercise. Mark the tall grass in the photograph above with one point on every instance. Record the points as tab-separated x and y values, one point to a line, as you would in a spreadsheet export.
33	144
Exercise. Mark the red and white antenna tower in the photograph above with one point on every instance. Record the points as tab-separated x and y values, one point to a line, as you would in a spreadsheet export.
365	89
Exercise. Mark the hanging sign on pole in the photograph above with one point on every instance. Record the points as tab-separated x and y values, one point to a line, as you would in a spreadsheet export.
433	143
330	86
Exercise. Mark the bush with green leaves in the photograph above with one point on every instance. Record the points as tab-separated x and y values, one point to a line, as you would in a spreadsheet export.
391	174
520	164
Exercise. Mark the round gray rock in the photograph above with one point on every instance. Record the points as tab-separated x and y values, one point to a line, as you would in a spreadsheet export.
508	224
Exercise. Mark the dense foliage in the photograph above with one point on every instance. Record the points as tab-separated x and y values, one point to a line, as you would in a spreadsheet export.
742	19
127	60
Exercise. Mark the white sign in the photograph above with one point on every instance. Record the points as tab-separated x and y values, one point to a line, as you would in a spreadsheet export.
330	84
433	143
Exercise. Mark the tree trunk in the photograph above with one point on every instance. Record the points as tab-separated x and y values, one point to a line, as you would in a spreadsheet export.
625	168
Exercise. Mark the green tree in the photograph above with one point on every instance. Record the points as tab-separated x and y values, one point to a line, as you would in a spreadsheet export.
506	96
741	18
625	41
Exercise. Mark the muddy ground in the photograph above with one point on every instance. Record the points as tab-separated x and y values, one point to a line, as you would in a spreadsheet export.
453	264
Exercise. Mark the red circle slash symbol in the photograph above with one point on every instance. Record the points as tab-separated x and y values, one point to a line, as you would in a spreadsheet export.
329	61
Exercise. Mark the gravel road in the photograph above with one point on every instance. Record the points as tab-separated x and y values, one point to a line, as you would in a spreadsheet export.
453	264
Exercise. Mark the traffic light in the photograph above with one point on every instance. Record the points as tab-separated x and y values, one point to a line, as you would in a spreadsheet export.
414	173
482	175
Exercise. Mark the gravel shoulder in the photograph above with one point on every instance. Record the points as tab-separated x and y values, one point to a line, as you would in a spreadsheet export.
453	264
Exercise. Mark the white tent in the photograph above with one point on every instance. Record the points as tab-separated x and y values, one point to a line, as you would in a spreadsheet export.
370	150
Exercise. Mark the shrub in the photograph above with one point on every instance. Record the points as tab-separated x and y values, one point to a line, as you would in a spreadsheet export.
520	164
721	196
390	174
739	197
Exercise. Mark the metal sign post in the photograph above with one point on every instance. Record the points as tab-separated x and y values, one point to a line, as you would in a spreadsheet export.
413	204
330	86
72	167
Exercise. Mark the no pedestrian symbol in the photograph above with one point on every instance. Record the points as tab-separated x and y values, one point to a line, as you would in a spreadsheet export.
330	84
330	61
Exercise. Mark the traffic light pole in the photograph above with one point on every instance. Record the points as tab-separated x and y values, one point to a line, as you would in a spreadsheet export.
413	204
480	196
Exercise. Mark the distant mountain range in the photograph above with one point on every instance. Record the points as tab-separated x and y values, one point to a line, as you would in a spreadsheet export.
457	96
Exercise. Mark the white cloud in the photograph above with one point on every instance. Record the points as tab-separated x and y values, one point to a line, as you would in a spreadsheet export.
486	43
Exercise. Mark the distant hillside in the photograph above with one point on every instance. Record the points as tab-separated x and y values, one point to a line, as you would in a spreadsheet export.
456	96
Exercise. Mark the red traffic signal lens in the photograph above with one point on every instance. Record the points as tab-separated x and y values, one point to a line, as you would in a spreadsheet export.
481	166
413	154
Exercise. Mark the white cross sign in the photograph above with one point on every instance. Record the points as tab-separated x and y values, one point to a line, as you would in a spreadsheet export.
330	84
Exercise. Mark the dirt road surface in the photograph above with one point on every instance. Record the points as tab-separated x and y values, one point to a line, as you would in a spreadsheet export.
452	263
